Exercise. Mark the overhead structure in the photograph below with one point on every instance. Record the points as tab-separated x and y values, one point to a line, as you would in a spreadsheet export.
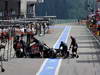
16	8
28	7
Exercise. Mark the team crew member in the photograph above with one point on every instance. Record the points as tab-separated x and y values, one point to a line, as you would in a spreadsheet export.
64	49
73	46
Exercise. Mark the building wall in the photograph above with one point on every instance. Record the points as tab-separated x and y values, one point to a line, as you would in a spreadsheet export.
17	7
9	7
23	7
64	9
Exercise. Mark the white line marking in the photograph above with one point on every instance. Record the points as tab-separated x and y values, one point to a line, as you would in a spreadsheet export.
44	62
47	59
60	37
59	64
60	61
68	35
58	67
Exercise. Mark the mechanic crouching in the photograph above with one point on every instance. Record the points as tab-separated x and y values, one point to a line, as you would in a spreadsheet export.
64	50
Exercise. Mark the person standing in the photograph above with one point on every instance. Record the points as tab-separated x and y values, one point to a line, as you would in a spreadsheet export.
73	46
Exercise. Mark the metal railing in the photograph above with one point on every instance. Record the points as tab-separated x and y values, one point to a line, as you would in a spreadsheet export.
63	21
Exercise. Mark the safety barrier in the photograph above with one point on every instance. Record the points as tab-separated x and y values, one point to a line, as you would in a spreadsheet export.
62	21
95	28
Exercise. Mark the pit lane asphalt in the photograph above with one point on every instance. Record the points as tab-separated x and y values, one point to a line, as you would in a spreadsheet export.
88	62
